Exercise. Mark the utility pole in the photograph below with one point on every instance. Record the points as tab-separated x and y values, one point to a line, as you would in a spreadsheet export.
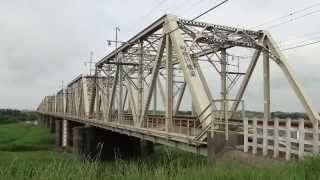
120	83
62	85
120	79
90	62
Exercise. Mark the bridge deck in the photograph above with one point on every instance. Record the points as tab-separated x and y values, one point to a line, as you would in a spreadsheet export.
178	140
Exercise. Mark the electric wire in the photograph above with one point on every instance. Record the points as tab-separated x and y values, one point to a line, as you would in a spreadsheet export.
214	7
191	6
293	19
195	18
153	9
290	43
146	15
301	45
303	36
288	15
296	46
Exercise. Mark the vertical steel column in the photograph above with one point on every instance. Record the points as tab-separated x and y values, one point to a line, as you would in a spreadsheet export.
98	96
118	60
55	103
120	97
93	102
169	85
113	94
108	90
266	91
140	83
224	91
193	109
86	98
64	101
46	104
155	98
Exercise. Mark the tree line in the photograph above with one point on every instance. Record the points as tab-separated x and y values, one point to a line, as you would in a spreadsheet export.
13	115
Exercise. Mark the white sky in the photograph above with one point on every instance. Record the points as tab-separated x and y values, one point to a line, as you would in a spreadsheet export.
43	42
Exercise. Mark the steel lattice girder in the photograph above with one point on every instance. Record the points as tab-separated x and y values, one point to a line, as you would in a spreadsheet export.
190	40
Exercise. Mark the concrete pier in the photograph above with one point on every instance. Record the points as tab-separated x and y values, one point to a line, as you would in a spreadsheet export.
146	148
79	142
216	143
52	125
47	121
92	143
69	132
58	132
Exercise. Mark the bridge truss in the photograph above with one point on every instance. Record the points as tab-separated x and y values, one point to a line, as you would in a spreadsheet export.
155	84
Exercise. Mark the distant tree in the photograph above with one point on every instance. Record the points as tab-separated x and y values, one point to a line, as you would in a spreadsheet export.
293	115
12	115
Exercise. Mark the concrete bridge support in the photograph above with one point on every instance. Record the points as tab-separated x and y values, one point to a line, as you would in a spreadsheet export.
58	132
47	121
52	125
69	132
41	120
92	143
146	148
217	143
79	142
84	142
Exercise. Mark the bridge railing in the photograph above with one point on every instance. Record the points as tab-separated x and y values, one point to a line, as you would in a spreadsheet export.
183	124
186	125
281	138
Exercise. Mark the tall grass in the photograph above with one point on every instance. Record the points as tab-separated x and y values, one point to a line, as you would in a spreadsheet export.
120	169
44	162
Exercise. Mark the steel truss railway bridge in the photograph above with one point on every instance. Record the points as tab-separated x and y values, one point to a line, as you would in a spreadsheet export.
158	88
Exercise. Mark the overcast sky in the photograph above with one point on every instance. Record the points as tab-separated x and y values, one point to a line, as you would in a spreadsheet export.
43	42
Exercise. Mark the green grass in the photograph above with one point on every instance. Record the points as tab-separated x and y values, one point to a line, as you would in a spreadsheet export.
27	152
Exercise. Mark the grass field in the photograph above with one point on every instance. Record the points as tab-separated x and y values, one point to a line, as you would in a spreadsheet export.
27	152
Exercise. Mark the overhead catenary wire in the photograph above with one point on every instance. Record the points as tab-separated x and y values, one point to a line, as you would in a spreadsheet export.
195	18
191	6
293	19
294	43
152	9
200	15
297	37
207	11
301	45
288	15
